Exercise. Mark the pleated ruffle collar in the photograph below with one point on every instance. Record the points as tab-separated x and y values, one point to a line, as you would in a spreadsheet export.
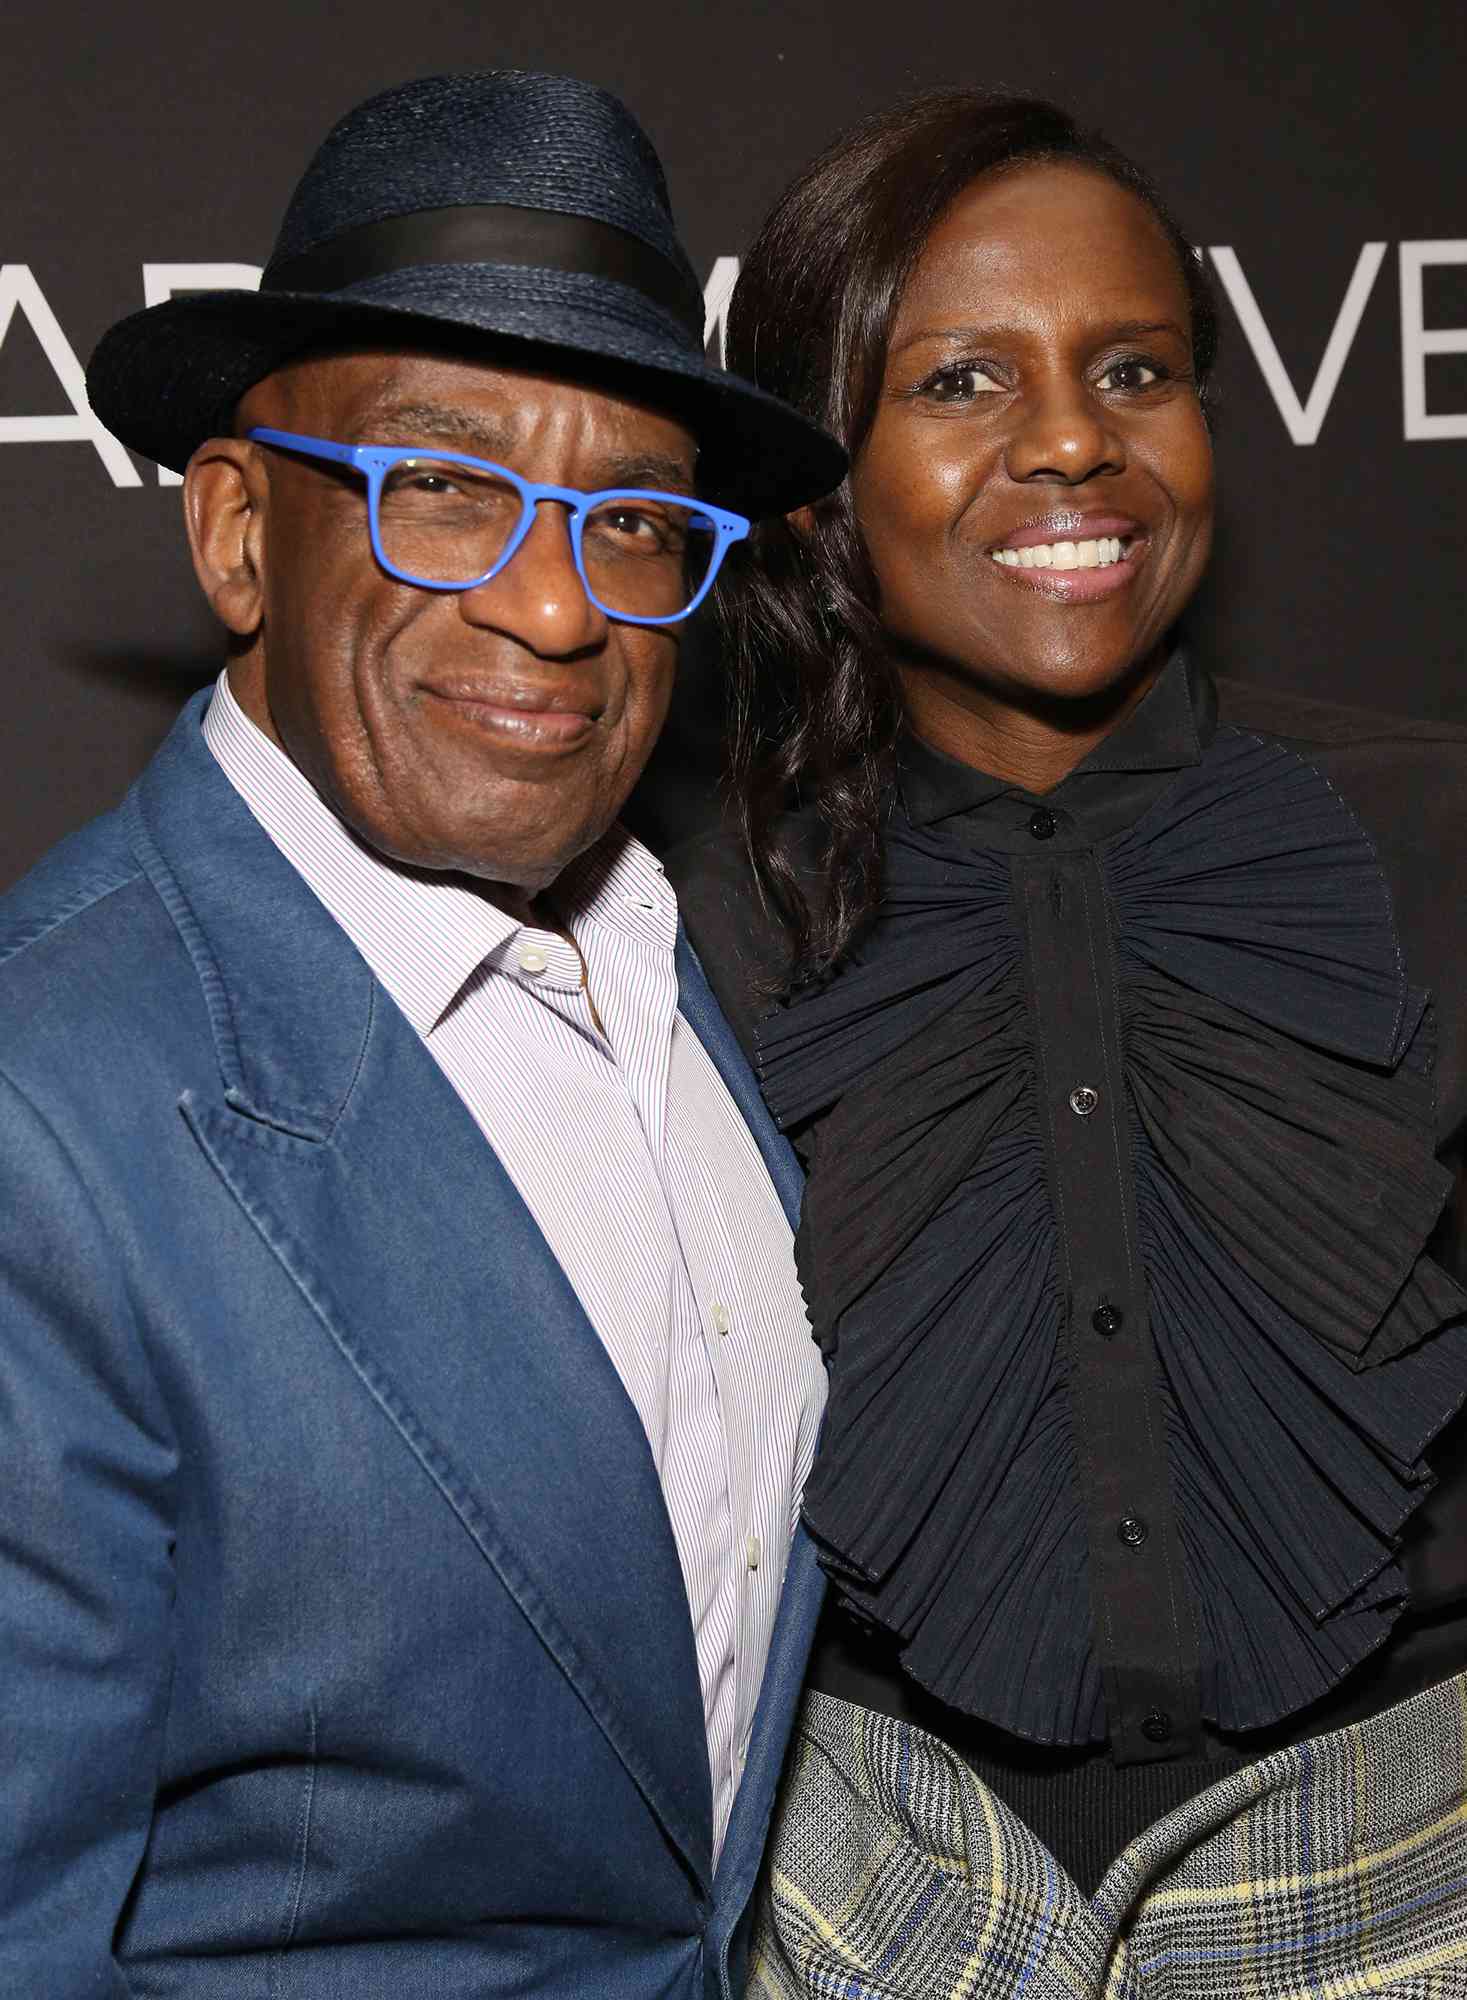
1278	1065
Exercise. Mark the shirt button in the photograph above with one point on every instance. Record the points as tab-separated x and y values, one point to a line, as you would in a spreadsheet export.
719	1318
532	959
1133	1531
752	1551
1156	1726
1042	824
1083	1100
1107	1319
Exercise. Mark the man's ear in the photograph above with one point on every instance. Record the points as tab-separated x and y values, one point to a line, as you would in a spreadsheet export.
225	495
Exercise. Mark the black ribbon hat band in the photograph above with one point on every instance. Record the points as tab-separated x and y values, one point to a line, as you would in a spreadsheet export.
492	233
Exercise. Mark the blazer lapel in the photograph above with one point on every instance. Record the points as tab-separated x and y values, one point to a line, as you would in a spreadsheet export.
368	1179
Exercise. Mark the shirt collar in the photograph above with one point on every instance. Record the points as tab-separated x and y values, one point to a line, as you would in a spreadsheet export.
1166	731
423	935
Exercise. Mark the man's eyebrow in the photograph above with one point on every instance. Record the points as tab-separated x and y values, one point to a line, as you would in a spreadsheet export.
483	437
658	470
440	423
966	336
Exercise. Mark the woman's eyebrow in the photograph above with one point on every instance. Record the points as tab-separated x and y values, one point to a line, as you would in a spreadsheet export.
1139	329
966	336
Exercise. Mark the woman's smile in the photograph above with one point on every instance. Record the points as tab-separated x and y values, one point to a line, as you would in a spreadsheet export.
1073	558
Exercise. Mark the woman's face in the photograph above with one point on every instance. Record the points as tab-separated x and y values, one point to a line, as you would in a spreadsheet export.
1036	491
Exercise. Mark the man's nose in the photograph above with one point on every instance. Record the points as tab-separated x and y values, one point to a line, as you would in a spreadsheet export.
538	597
1062	433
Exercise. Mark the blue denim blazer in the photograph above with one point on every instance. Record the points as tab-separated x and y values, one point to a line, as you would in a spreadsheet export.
343	1643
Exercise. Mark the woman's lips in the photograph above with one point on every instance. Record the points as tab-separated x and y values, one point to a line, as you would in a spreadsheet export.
1075	558
1069	524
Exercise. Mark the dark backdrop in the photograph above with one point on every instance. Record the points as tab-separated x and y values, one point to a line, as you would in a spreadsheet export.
1292	138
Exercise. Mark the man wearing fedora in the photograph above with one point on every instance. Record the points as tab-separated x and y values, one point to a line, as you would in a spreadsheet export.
405	1392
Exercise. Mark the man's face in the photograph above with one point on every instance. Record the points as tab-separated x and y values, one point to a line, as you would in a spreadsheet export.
494	731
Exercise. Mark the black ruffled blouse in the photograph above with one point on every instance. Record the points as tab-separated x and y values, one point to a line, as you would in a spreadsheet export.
1123	1131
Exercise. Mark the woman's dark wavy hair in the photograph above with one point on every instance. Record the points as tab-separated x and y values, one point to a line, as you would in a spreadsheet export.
816	706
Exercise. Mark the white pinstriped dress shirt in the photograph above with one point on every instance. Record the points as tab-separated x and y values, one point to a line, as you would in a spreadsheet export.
635	1164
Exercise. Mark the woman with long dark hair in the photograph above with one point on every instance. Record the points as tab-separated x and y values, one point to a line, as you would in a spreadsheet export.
1117	1013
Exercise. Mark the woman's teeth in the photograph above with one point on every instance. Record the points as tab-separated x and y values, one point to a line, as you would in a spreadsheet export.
1097	554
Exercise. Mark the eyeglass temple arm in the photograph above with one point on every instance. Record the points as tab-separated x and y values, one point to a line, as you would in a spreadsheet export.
339	454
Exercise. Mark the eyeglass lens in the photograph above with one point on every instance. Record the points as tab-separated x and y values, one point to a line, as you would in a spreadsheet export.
450	524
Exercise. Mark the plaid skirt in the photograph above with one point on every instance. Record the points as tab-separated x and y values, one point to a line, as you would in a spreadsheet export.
1333	1868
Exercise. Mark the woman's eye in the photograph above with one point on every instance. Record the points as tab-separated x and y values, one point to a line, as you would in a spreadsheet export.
1130	374
959	383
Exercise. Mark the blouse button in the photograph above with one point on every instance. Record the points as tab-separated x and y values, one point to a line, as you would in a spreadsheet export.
1042	824
1107	1319
1133	1531
1156	1725
1084	1100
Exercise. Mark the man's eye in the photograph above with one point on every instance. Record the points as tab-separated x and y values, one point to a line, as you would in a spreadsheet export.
662	527
429	481
626	521
959	383
1133	373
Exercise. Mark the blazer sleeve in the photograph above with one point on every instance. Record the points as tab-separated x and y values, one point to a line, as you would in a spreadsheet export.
87	1470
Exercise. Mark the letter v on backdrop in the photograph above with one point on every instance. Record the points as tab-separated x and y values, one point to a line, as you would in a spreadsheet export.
1304	420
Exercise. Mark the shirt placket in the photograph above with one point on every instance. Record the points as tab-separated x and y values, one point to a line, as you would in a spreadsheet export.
729	1338
699	1311
712	1301
1144	1634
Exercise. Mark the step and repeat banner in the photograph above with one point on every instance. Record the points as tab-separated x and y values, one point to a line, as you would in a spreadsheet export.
1316	152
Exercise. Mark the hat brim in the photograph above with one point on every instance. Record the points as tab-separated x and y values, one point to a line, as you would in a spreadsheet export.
165	379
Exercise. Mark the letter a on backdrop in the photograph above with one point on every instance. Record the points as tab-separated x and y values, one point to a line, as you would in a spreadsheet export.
19	290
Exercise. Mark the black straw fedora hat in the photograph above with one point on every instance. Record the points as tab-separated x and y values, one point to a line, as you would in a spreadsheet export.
498	209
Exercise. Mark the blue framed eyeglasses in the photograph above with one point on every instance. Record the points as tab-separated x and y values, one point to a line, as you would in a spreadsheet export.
447	522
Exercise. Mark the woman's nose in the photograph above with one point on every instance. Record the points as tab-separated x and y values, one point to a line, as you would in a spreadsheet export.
538	597
1063	434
